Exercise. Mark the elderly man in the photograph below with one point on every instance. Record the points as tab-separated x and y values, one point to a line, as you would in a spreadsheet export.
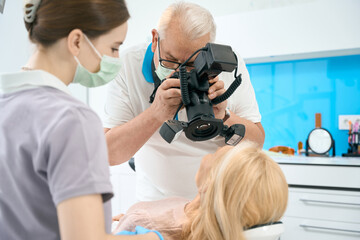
132	123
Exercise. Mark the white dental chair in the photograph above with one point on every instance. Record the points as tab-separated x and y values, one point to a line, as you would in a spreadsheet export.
265	232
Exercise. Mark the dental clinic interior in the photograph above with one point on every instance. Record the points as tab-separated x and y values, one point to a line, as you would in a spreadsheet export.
303	58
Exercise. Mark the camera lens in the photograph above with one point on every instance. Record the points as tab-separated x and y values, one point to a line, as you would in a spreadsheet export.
203	127
204	130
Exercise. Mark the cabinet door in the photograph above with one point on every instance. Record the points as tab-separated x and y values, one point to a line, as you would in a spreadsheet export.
341	206
308	229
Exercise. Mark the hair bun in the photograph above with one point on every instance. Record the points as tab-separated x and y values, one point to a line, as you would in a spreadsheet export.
30	8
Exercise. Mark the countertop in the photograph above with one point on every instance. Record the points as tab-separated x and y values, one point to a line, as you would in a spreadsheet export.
326	161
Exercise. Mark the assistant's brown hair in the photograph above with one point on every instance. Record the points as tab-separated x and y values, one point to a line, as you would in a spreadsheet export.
55	19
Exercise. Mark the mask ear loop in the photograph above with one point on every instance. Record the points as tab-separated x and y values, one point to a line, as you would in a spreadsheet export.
93	47
77	60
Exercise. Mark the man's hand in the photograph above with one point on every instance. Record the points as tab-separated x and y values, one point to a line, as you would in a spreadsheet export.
215	90
167	99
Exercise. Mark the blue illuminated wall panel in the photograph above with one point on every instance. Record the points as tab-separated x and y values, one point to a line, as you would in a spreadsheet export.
290	93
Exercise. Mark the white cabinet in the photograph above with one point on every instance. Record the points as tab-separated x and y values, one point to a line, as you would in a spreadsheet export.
324	204
309	229
309	29
315	214
324	198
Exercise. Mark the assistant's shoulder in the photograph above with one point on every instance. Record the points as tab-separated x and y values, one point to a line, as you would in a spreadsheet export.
60	104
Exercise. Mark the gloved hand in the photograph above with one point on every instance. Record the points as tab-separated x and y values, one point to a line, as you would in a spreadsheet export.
140	230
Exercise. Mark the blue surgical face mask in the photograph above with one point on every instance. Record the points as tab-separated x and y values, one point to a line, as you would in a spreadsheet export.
109	68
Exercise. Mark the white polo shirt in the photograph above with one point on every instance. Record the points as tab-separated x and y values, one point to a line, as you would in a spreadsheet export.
164	169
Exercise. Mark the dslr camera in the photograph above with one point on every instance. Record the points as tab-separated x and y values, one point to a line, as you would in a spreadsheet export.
194	85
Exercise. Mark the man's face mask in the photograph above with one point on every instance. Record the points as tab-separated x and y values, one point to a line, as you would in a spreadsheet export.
163	72
109	68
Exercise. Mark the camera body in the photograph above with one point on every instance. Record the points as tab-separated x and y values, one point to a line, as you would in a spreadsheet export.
202	124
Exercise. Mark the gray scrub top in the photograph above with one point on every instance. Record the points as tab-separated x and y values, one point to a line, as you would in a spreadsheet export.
52	148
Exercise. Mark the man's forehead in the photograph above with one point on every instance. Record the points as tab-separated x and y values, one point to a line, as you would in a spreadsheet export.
181	48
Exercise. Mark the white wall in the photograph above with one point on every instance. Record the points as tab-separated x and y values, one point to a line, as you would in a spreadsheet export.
14	47
145	14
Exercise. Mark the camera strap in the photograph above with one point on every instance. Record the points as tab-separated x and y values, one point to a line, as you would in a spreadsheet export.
157	81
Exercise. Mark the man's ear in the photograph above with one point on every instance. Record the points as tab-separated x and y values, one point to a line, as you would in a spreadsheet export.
155	37
74	40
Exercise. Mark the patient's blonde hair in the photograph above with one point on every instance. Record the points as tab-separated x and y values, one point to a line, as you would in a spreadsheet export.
245	187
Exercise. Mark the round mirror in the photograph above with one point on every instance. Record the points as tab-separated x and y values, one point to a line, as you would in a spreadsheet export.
320	141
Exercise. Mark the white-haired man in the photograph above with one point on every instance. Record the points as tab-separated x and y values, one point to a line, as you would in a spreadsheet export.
132	123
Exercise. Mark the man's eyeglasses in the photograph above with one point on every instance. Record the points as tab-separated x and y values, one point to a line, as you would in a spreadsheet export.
171	64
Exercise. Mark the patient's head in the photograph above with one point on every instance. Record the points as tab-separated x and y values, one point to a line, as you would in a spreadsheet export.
243	187
207	163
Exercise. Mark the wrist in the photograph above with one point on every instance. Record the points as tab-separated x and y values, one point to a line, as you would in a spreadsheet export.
226	115
155	115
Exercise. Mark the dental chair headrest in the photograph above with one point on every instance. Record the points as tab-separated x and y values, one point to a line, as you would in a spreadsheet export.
265	232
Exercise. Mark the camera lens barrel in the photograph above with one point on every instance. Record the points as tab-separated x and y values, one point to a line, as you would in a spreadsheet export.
203	128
